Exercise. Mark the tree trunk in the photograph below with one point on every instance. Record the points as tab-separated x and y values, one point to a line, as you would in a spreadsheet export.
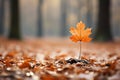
63	18
103	32
1	17
14	22
89	14
40	29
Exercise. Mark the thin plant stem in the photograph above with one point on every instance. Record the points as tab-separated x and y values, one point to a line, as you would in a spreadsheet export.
80	47
80	50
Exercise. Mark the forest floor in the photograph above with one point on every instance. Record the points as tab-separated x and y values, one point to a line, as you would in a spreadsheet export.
55	59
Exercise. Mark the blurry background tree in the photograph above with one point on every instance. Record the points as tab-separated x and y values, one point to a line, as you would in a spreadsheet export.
89	13
14	32
40	29
63	18
1	17
52	18
103	32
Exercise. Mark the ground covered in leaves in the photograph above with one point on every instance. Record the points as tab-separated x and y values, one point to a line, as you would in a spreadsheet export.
55	59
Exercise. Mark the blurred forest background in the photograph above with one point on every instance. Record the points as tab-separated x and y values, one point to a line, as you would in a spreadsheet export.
52	18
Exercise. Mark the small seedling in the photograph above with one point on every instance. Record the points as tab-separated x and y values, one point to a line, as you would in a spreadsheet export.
80	34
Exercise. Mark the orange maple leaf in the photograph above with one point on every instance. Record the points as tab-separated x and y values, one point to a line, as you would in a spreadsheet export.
80	33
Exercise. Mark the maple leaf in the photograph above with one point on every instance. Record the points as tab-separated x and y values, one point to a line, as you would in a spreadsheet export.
80	33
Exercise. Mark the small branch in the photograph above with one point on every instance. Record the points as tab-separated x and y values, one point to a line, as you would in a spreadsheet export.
80	50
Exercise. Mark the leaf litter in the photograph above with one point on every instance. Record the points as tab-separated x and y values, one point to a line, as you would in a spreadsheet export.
20	60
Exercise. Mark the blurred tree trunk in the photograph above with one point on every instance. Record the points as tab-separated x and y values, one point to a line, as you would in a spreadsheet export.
40	29
103	32
1	17
63	18
89	13
14	32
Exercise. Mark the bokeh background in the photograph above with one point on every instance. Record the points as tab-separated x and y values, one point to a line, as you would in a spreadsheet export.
53	18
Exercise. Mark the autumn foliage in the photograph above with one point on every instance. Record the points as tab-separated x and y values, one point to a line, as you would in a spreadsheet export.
37	60
80	33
